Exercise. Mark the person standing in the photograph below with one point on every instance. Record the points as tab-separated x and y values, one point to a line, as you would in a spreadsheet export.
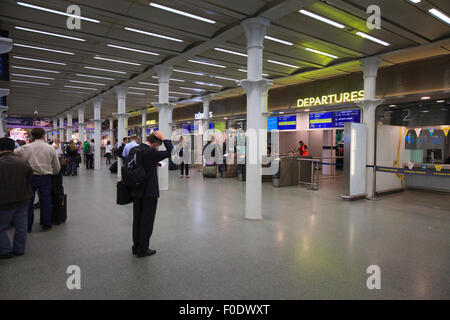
146	197
184	167
15	193
72	158
44	161
108	152
130	145
89	152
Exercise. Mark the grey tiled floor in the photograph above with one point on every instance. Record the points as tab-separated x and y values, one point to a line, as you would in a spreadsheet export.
311	245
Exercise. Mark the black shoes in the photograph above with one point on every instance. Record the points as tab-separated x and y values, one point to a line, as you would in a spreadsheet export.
18	254
6	256
148	253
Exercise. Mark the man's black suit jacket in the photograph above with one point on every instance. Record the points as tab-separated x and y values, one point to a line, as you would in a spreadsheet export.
149	157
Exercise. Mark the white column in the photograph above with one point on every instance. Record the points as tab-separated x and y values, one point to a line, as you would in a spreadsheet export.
81	133
111	131
97	132
369	105
206	101
165	117
2	130
55	128
265	113
121	116
69	126
144	125
61	129
255	86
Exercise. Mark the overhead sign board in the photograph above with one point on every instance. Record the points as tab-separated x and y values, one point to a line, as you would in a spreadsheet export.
336	98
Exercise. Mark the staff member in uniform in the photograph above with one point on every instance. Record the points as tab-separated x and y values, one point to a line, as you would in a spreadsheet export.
302	149
146	198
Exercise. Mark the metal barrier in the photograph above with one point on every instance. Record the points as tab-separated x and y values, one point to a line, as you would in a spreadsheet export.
314	162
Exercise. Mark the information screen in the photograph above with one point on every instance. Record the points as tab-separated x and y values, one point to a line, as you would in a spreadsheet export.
272	123
341	117
321	120
287	122
335	119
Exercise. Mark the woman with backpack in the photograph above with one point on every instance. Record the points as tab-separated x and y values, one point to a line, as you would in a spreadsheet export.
72	158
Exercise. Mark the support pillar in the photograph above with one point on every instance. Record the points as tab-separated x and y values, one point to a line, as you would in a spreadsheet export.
97	132
69	126
121	116
144	125
111	131
206	101
81	132
55	129
369	105
255	86
164	118
265	114
61	130
2	129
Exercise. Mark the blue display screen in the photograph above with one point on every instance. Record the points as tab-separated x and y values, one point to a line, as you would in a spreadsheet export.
341	117
321	120
211	126
287	122
186	128
335	119
272	123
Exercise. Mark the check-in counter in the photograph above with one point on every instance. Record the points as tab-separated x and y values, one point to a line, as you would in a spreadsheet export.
439	183
287	174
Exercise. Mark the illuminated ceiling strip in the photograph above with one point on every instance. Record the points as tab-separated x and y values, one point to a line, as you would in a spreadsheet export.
73	87
49	33
183	13
366	36
231	52
43	49
38	60
85	82
34	69
56	12
283	64
134	50
118	61
207	63
145	89
279	40
323	19
31	82
153	34
106	70
321	53
29	76
189	72
94	77
439	15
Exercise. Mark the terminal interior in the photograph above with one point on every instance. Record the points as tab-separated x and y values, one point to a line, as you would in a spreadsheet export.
371	103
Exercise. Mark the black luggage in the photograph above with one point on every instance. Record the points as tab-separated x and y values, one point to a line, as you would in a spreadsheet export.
123	194
209	171
59	214
113	167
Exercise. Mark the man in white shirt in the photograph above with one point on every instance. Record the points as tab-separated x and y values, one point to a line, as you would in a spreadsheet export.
44	161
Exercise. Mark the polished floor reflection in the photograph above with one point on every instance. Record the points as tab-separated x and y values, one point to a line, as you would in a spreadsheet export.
311	245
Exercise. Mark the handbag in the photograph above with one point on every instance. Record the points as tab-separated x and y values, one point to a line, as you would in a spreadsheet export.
123	194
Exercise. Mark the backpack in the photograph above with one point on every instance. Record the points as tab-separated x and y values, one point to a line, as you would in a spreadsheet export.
120	151
86	147
133	173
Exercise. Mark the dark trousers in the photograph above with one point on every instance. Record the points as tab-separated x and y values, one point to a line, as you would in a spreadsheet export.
19	218
90	161
144	211
43	184
72	163
184	167
108	158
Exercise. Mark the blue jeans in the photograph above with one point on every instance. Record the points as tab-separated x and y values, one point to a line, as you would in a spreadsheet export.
44	186
72	163
19	218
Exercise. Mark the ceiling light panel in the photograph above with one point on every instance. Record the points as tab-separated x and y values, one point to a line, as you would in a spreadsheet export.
182	13
56	12
49	33
39	60
133	50
153	34
43	49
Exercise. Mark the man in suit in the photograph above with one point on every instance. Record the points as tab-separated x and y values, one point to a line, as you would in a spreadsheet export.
146	197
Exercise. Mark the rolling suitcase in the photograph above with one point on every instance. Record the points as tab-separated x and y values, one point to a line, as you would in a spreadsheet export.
59	214
113	167
209	171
